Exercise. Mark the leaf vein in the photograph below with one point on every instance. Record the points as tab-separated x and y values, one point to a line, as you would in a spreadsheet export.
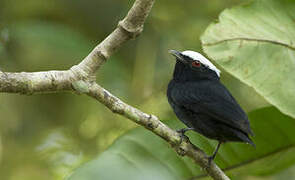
250	39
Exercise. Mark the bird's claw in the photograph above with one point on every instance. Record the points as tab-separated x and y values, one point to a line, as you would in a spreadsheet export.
210	159
182	133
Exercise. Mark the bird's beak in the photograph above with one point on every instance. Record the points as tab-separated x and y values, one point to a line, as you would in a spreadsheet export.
177	54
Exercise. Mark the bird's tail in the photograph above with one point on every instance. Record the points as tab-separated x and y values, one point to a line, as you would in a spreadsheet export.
245	138
249	141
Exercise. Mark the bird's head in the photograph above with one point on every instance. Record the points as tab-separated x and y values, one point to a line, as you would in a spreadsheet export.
191	64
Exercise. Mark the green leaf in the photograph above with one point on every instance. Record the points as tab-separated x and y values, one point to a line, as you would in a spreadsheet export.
139	154
256	44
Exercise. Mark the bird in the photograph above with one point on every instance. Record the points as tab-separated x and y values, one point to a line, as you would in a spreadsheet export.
203	103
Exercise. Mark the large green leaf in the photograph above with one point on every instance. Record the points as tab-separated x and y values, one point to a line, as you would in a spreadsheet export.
139	154
256	44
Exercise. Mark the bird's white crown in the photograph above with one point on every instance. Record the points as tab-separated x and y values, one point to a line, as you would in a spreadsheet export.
199	57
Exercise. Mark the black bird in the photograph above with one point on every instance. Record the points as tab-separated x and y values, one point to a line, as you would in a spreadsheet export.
203	104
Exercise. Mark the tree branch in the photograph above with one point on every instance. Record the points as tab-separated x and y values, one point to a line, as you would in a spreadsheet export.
36	82
153	124
81	78
130	27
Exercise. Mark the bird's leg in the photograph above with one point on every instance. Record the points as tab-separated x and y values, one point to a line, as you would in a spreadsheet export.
183	130
211	158
182	133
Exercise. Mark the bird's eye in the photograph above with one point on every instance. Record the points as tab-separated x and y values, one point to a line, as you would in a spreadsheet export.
196	64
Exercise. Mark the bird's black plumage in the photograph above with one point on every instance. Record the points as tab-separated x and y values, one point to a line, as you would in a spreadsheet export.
202	103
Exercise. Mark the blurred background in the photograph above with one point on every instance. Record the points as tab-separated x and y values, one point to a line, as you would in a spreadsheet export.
46	136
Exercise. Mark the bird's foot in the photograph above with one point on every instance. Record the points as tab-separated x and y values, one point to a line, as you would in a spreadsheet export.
210	159
182	133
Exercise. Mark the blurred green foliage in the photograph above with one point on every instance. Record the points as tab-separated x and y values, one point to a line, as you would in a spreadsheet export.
131	158
46	136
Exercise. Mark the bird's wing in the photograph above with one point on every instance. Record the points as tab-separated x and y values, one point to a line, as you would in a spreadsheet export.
214	100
